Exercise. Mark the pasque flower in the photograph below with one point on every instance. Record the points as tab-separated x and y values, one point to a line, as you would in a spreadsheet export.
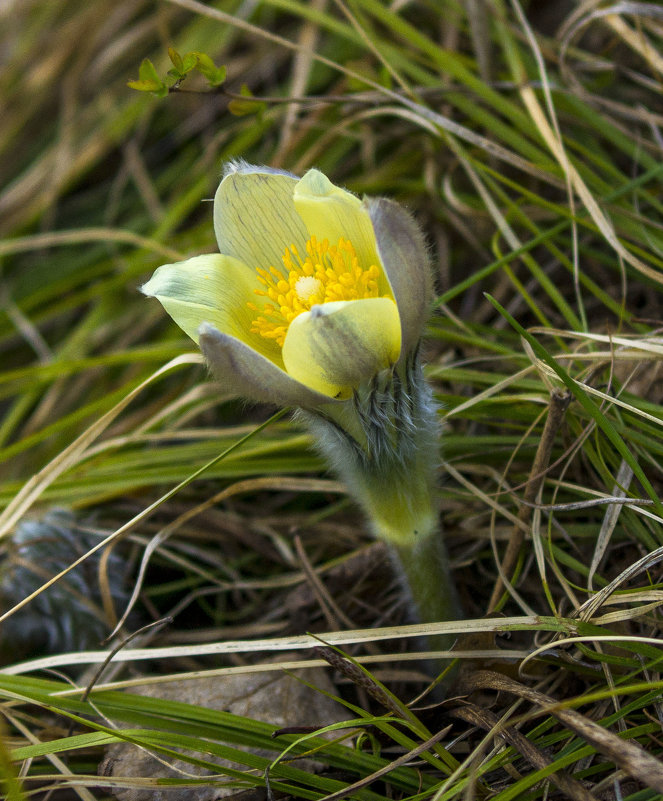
313	292
317	300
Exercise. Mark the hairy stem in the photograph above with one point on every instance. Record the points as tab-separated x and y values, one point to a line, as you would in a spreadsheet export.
425	565
384	445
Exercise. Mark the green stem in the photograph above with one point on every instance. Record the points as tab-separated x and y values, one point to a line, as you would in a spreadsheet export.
425	565
384	445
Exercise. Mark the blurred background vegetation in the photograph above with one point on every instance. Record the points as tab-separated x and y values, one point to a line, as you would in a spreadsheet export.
526	138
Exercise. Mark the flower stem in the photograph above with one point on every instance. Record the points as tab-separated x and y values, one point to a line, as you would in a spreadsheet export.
425	566
385	448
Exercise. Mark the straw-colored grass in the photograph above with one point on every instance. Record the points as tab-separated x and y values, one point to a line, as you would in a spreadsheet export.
526	138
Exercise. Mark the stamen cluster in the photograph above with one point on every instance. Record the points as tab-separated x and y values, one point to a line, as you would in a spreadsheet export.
328	273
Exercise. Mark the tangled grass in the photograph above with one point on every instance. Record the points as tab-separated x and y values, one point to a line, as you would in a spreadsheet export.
527	140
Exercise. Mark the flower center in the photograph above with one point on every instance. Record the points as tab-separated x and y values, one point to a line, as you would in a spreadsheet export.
308	287
328	273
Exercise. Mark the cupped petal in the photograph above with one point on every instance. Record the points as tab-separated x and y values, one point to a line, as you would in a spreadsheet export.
332	213
337	346
214	289
404	257
248	374
255	218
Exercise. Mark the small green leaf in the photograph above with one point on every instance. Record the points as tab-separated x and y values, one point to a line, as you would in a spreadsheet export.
217	77
189	62
241	107
147	71
176	59
205	66
203	62
149	80
145	85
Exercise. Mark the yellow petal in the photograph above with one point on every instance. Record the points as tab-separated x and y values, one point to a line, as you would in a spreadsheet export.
332	213
211	289
336	346
255	218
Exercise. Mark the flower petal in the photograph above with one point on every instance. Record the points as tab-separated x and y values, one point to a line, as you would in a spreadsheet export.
330	212
336	346
248	374
404	256
255	218
211	289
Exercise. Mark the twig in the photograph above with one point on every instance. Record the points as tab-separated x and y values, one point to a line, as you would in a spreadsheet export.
559	402
626	754
488	721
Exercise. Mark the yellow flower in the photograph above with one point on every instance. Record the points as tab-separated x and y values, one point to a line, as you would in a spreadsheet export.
313	293
317	300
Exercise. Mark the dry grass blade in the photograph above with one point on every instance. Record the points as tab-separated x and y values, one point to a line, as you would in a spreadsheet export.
82	792
626	754
528	147
486	720
358	677
75	452
559	402
622	483
291	643
23	244
250	485
593	604
401	760
552	137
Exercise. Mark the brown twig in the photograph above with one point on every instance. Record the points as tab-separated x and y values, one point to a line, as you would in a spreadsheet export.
626	754
358	677
559	401
488	721
330	609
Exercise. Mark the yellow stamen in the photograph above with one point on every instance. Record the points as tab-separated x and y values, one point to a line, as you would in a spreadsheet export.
328	273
